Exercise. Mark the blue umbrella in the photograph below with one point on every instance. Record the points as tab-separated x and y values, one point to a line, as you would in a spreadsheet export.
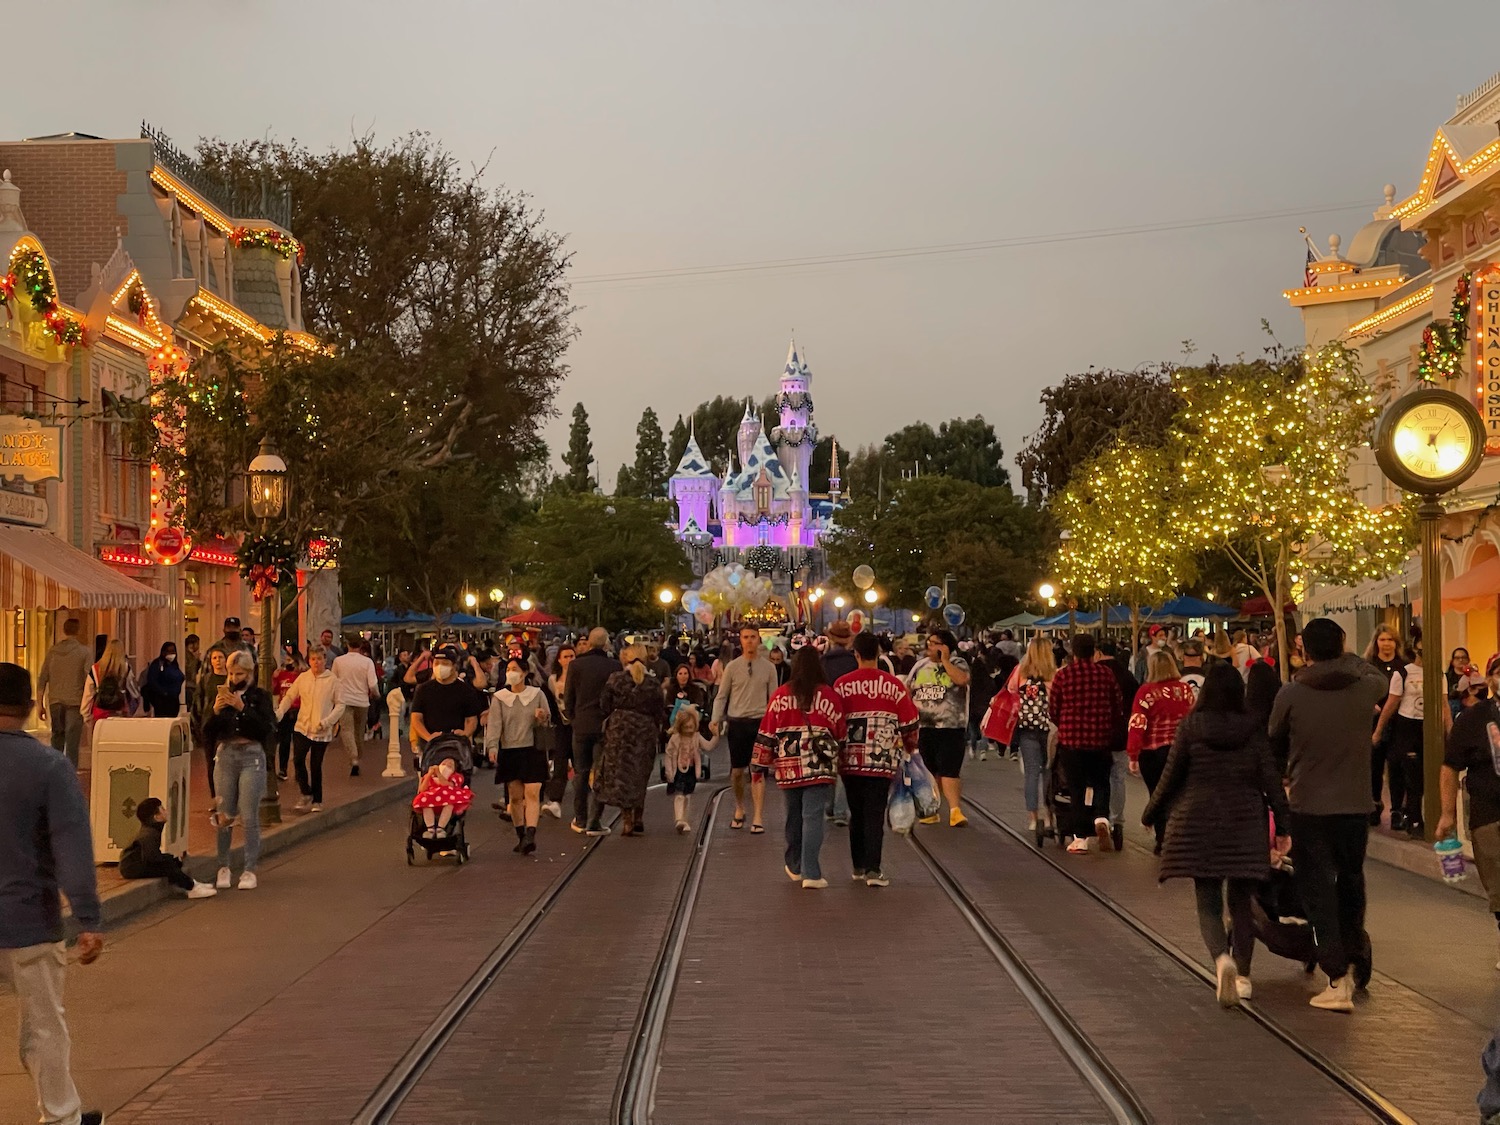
1186	608
367	617
467	621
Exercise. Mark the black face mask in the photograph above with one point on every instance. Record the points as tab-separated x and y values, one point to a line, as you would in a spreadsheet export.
232	638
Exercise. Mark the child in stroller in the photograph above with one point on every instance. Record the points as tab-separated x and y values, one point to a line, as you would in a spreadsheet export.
443	797
1281	925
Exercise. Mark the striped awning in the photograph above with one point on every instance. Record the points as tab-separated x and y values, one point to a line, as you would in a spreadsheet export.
40	571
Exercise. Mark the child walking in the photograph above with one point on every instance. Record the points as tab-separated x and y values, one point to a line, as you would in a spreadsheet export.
682	760
442	794
143	857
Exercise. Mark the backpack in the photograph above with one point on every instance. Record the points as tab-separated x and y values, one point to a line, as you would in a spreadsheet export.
109	696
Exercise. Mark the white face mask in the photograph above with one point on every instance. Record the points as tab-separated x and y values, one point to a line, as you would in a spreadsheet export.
443	672
515	679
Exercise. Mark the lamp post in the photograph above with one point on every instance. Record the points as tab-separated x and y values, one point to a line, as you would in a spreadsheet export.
267	479
666	597
596	595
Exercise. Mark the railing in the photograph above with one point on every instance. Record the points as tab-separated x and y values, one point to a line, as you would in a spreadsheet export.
1466	100
274	205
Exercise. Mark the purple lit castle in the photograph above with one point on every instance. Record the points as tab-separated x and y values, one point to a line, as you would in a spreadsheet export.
766	503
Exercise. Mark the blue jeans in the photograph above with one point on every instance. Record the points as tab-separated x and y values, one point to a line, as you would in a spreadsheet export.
240	782
67	729
1032	746
840	805
804	828
1118	768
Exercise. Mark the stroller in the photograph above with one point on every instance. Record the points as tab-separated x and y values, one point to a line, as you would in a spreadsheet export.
1281	925
451	840
1056	798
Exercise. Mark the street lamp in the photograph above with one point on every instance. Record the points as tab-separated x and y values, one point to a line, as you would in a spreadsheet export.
525	604
596	595
497	595
666	597
267	479
470	600
871	596
838	602
1047	591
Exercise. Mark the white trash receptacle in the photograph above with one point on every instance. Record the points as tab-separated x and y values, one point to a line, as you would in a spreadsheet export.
134	759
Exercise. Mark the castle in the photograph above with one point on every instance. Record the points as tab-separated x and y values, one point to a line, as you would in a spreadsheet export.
767	502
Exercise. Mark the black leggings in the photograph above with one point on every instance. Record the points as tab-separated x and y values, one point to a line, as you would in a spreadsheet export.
1152	762
311	785
284	730
1211	919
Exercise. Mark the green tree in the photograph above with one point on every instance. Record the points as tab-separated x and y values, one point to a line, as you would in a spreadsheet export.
963	449
677	442
572	537
1088	410
993	544
580	455
1263	452
649	473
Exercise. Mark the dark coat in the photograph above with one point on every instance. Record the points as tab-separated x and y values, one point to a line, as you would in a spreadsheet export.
587	676
633	714
1214	791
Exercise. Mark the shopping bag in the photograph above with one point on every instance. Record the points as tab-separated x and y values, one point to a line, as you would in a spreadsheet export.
900	810
924	791
1001	716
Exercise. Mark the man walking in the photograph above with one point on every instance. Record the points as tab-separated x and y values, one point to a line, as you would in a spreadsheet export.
231	642
586	678
1320	725
45	848
1086	705
839	660
358	687
61	684
745	691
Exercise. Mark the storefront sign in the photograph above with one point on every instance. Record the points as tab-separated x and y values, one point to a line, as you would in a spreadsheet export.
19	507
168	545
1487	355
30	450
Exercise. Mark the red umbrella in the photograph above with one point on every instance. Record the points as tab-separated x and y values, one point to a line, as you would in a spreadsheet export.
532	619
1260	606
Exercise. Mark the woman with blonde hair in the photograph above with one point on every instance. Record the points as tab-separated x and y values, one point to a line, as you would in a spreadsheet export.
1032	678
110	690
1164	700
634	713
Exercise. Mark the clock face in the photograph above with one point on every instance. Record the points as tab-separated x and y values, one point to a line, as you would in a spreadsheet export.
1433	440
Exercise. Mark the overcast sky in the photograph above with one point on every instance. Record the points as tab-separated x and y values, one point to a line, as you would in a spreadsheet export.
660	134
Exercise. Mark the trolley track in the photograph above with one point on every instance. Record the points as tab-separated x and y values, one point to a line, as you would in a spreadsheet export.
636	1084
1378	1107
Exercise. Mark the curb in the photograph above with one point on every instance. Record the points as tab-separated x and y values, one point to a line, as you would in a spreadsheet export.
1419	859
139	895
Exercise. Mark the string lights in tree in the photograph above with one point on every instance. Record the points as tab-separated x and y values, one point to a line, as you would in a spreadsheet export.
1443	340
1263	452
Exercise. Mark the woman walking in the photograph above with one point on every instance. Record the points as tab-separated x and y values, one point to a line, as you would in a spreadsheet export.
240	728
286	724
162	693
562	734
1163	701
684	691
1217	783
110	690
516	711
313	695
1384	652
1033	677
800	740
634	715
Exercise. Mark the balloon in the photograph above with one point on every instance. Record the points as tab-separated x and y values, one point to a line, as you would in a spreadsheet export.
705	615
856	620
735	578
953	615
864	577
691	600
934	597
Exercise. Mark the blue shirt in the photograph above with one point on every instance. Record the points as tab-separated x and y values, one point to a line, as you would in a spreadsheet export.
45	844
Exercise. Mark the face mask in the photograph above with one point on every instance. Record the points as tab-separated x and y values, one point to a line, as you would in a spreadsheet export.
515	679
237	683
443	672
445	770
172	656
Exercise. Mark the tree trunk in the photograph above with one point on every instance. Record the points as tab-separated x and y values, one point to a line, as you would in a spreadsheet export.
1135	630
1277	605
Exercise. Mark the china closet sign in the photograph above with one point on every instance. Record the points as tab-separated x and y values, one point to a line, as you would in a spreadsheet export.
30	450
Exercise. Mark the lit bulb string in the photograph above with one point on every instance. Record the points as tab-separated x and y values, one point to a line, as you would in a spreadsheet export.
953	248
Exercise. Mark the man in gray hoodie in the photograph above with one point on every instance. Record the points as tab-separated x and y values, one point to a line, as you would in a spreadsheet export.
1320	727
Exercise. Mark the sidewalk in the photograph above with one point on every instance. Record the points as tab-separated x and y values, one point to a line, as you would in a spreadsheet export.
345	799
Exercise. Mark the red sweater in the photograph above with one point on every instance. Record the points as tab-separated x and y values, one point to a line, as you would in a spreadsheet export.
882	722
1158	708
782	744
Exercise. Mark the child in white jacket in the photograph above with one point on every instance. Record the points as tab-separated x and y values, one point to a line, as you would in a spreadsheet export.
315	695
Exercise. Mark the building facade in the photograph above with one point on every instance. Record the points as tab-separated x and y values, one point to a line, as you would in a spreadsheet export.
1409	294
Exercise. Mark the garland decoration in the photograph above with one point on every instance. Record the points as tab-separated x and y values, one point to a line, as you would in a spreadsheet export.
762	559
136	302
795	400
35	279
7	292
264	238
265	560
1443	340
755	521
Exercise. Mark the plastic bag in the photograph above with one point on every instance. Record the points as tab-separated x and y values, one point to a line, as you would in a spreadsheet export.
924	789
900	809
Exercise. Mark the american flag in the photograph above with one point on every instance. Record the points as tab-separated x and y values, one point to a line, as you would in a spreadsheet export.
1310	275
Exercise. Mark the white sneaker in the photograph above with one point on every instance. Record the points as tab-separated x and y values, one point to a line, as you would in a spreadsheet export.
814	884
315	807
1242	985
303	805
1079	846
202	890
1337	997
792	875
552	809
877	879
984	755
1228	989
222	880
248	882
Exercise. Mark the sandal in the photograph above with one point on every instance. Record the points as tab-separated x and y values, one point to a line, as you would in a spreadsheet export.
738	822
757	829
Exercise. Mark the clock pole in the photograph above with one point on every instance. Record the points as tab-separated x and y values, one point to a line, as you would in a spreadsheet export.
1434	674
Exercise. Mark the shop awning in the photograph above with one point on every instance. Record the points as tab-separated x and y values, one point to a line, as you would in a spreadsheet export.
40	571
1476	588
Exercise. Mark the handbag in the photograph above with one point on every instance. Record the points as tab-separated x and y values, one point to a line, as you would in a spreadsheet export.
1004	711
900	810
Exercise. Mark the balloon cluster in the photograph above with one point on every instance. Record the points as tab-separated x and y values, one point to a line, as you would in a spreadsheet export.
726	589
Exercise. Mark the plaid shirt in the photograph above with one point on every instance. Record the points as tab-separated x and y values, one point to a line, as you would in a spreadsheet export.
1085	704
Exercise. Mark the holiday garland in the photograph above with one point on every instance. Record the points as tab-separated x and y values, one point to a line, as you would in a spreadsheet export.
264	238
756	521
265	560
7	292
762	559
35	279
1443	340
136	302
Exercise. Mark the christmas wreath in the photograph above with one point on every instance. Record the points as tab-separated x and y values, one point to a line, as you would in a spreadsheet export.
762	559
265	560
1443	340
135	301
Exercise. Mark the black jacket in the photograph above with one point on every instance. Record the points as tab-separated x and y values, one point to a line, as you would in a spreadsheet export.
1129	685
255	723
838	662
142	852
587	676
1214	791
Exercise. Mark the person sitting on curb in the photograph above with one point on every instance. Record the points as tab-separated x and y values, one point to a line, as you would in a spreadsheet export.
144	859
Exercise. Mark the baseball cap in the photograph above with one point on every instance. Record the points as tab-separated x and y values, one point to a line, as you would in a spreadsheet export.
233	622
1192	648
1155	629
446	652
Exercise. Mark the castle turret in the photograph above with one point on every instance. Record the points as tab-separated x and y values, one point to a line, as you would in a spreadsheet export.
749	434
834	481
727	506
693	485
797	433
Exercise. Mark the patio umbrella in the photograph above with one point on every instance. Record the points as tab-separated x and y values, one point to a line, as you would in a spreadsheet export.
531	619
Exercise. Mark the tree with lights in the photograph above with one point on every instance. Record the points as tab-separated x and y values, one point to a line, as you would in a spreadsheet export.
1124	546
1263	451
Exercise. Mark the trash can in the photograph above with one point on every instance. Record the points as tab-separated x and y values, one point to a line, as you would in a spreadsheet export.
134	759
